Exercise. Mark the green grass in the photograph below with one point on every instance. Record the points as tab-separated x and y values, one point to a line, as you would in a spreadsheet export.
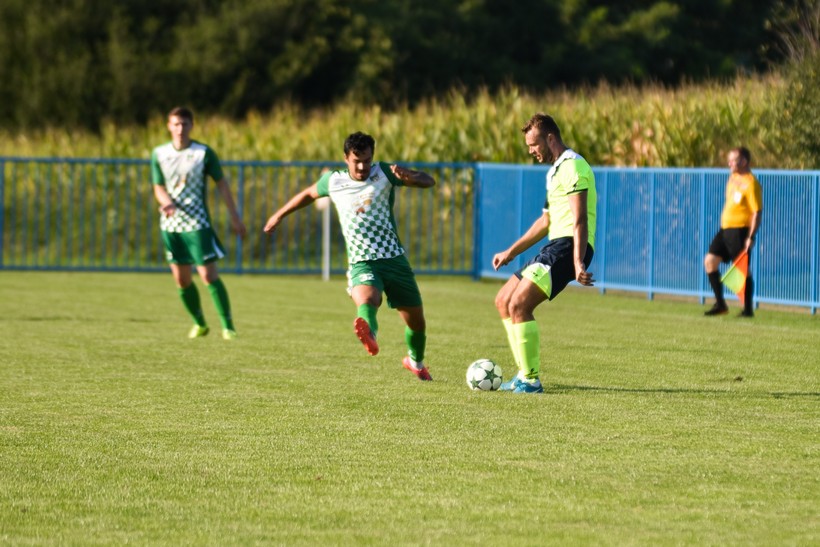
659	426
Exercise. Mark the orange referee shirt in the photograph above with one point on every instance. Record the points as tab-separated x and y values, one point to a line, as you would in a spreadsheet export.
744	197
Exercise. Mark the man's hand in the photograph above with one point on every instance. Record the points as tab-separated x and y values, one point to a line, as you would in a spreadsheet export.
238	227
168	209
502	259
582	276
271	225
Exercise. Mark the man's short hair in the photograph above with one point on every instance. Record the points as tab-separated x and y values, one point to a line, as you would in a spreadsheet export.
744	153
182	112
358	142
544	123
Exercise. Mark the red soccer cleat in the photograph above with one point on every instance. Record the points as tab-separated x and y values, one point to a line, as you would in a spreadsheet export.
422	373
362	330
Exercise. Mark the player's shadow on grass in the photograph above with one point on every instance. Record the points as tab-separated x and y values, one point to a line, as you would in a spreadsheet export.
564	388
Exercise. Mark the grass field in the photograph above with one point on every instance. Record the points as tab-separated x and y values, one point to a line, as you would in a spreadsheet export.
659	426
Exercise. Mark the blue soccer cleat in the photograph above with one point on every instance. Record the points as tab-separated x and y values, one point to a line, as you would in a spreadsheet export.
529	387
512	384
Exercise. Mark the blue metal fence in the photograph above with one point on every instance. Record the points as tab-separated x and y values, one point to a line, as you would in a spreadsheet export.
654	225
100	214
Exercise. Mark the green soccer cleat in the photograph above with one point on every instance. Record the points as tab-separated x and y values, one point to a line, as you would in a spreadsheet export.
198	332
229	334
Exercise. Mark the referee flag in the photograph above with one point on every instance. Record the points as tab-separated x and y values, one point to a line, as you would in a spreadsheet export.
735	276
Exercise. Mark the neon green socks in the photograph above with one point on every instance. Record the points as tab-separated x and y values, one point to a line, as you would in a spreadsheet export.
528	342
416	343
190	299
508	326
219	294
368	313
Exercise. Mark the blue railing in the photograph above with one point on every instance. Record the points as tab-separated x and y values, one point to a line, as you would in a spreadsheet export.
100	214
654	225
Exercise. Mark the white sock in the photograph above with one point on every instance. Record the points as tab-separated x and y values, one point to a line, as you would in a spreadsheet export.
418	365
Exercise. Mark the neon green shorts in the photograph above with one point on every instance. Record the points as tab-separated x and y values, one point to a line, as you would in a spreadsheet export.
553	268
392	276
199	247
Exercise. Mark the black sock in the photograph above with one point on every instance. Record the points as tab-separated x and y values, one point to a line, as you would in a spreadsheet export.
748	304
717	287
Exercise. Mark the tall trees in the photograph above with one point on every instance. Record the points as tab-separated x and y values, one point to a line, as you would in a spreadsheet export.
82	61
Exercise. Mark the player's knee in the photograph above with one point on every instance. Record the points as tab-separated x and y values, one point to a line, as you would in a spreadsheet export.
519	307
417	324
502	303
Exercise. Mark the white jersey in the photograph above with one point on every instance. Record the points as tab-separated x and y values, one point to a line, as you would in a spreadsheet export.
365	212
183	173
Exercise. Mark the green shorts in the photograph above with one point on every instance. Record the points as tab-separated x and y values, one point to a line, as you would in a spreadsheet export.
393	276
199	247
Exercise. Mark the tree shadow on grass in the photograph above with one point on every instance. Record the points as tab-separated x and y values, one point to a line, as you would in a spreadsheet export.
564	388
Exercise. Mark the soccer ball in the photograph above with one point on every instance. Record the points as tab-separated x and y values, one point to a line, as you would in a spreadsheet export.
484	375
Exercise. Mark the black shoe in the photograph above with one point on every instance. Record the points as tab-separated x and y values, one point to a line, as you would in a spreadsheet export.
746	313
717	309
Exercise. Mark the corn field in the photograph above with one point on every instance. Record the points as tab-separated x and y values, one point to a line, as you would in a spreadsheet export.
691	125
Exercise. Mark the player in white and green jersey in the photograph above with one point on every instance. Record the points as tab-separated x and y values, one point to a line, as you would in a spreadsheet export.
179	170
569	221
363	195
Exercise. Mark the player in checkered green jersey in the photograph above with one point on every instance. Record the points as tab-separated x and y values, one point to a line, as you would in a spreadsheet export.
179	170
363	195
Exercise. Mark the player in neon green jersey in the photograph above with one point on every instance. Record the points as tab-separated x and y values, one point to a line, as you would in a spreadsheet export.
179	170
363	195
569	221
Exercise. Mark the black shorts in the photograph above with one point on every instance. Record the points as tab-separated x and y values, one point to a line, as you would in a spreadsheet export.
553	267
728	243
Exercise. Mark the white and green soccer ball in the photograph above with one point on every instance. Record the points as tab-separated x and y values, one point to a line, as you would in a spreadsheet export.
484	375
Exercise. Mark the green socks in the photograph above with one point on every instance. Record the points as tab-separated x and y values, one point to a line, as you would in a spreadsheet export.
416	342
528	342
508	326
368	313
219	294
190	299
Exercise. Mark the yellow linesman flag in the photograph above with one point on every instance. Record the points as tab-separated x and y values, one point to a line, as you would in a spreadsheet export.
735	277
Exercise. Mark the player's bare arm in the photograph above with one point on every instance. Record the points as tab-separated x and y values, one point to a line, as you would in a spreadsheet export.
300	200
236	221
166	204
539	229
409	177
580	237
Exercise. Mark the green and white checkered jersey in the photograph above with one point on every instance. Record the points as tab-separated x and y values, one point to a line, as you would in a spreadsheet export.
365	212
570	174
183	173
